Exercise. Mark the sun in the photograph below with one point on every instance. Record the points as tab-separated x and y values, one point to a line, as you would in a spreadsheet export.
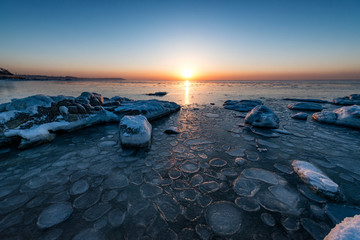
187	73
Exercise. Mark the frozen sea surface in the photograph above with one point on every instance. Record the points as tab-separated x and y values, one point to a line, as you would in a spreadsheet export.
83	185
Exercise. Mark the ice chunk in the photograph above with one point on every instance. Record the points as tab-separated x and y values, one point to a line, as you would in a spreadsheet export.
348	229
150	191
209	187
116	180
217	162
268	219
87	199
54	214
116	217
79	187
315	178
96	211
190	167
247	204
307	106
263	175
285	195
345	116
317	230
245	187
135	131
89	234
242	105
224	218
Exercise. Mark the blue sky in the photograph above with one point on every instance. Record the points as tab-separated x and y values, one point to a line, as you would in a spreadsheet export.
157	39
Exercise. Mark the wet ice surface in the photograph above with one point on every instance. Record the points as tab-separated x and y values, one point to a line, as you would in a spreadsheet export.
85	186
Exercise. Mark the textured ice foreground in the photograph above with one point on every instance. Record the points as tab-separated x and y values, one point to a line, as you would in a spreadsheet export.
210	181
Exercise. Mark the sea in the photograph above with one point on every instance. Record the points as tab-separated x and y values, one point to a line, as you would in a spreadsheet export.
184	92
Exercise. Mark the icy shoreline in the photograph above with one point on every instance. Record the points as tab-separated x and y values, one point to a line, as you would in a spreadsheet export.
36	119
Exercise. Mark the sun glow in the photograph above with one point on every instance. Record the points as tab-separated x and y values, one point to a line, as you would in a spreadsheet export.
187	73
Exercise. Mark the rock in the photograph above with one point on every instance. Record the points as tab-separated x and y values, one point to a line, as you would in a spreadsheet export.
172	130
317	180
348	229
305	106
224	218
135	131
262	116
348	100
300	115
242	105
307	100
159	94
54	214
344	116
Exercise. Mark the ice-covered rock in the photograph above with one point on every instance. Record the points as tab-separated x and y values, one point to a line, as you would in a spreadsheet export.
172	130
347	100
344	116
300	115
151	109
135	131
54	214
305	106
262	116
315	178
159	94
189	167
348	229
224	218
36	119
242	105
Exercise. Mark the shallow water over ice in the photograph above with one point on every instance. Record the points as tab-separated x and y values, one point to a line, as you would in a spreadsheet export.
167	191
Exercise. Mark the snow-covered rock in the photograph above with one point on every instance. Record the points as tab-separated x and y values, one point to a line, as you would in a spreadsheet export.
159	94
172	130
344	116
347	100
242	105
348	229
307	106
135	131
317	180
262	116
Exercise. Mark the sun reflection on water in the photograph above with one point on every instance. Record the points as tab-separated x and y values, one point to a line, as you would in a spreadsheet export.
187	90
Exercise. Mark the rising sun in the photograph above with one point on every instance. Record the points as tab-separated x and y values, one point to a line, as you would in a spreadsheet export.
187	73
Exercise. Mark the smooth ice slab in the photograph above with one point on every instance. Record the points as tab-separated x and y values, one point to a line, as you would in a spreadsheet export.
263	175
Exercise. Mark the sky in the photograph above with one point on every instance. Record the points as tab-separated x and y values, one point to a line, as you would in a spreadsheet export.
217	40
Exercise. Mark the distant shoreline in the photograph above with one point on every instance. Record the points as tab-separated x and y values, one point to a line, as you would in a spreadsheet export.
51	78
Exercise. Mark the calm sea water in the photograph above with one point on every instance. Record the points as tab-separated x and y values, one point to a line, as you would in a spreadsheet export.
184	92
